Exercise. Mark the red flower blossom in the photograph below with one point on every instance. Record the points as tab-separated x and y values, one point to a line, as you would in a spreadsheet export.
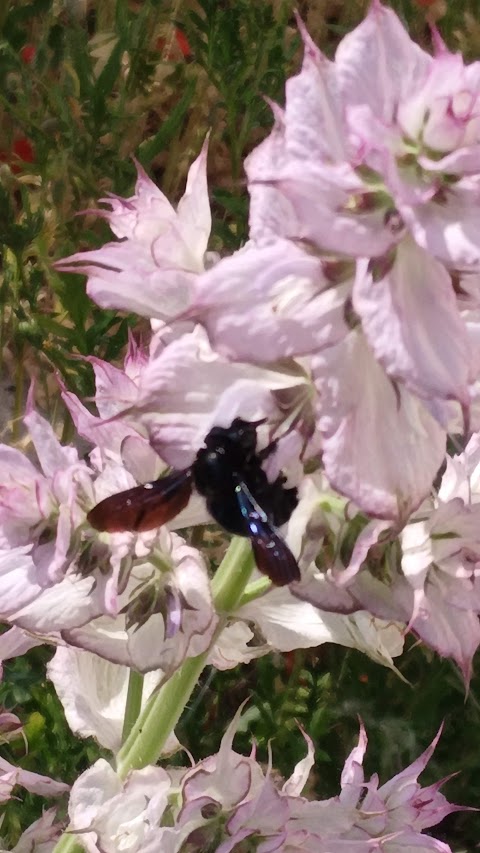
27	53
22	149
182	45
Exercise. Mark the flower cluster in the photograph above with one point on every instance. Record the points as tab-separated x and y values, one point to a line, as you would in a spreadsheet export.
346	329
228	798
349	320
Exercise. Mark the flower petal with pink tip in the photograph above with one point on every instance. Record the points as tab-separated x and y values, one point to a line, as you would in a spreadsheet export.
382	448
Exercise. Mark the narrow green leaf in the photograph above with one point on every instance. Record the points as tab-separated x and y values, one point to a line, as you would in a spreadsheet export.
151	147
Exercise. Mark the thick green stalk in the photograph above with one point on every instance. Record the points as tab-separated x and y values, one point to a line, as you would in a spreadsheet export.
163	710
68	844
150	732
232	575
133	705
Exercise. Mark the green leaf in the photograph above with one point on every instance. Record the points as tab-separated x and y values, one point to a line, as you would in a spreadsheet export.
109	75
151	147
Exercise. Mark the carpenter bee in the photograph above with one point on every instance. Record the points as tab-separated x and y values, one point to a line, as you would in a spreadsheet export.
228	473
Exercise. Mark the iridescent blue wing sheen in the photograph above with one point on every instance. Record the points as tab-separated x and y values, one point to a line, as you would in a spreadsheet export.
272	555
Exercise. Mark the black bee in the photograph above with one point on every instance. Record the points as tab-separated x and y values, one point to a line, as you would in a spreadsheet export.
228	472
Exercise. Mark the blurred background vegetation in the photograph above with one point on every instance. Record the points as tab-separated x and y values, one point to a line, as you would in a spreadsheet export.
83	87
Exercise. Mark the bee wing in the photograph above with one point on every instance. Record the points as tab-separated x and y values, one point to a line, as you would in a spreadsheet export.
143	507
272	554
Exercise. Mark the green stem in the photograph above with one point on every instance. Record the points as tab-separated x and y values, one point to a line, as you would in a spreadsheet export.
68	844
18	405
149	733
159	717
133	705
254	590
232	575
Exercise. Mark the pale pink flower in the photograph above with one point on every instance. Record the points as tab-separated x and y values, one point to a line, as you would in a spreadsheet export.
16	642
227	798
400	808
312	194
392	347
43	505
441	562
138	600
111	815
431	583
161	610
384	103
159	252
145	604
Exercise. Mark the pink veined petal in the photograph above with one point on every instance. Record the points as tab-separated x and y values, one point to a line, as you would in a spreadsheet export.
271	215
452	632
299	778
410	841
378	62
333	209
264	814
18	580
141	217
426	109
228	778
108	435
194	209
352	773
412	323
33	782
289	623
7	784
73	601
114	389
433	806
314	123
118	281
381	446
51	454
16	642
42	831
272	302
448	225
400	785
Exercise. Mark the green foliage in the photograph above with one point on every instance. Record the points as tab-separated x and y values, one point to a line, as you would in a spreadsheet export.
48	746
241	46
